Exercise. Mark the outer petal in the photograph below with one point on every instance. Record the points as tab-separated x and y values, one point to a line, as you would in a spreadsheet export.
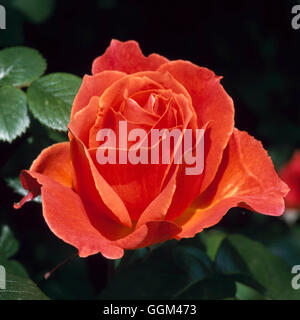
53	162
148	234
212	105
246	178
290	174
93	86
126	57
66	217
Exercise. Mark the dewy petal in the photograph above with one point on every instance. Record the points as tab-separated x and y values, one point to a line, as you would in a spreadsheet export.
212	104
93	86
246	178
126	57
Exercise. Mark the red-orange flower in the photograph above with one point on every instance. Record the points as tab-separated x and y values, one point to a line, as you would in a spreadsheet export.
290	174
112	207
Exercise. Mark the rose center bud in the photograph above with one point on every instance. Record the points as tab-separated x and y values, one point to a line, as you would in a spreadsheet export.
140	143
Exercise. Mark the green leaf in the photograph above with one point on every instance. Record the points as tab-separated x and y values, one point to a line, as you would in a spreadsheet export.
14	118
287	246
228	261
37	11
166	273
244	292
19	66
131	256
258	262
14	266
213	240
57	136
194	261
212	288
9	246
20	288
157	277
203	282
50	99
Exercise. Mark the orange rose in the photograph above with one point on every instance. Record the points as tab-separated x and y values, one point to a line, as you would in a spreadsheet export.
290	174
111	207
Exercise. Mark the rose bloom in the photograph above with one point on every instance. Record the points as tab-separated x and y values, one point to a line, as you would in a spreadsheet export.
290	174
111	207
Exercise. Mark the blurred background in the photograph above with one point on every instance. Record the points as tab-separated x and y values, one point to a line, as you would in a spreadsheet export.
250	43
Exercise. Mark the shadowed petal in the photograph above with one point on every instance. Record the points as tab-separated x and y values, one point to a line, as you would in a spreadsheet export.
148	234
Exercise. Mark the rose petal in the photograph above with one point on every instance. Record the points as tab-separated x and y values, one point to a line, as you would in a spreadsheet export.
84	120
68	219
152	232
65	215
93	86
158	208
140	184
132	111
212	104
136	184
167	81
290	174
126	57
91	185
246	178
54	162
113	97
